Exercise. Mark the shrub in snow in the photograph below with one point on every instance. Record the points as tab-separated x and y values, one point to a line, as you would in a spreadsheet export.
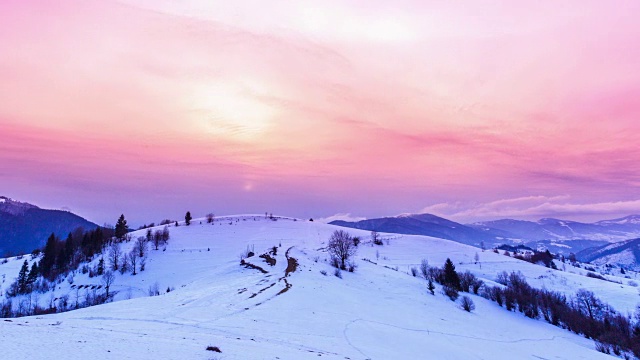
337	273
214	349
414	271
450	292
431	287
595	276
323	272
356	241
467	304
154	289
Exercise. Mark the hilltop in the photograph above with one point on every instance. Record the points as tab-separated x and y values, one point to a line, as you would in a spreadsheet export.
380	311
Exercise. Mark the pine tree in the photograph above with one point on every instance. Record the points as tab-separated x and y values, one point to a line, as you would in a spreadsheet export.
121	228
451	277
451	280
61	260
33	275
69	248
188	218
49	257
100	266
22	278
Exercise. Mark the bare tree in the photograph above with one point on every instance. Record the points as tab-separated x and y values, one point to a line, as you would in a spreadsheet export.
424	268
161	237
133	260
157	239
114	256
476	258
341	247
210	218
141	246
375	238
165	235
589	304
143	262
107	280
124	263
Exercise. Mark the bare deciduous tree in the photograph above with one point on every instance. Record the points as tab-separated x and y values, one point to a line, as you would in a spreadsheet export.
375	238
143	262
424	268
589	304
107	280
141	246
124	263
341	247
114	256
133	260
161	237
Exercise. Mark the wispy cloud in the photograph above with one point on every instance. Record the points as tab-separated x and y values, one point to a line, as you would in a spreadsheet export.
533	207
343	217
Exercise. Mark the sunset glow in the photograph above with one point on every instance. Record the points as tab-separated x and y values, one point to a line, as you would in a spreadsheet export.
155	107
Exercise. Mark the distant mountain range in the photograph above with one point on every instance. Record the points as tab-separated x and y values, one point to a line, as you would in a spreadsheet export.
25	227
623	253
429	225
560	236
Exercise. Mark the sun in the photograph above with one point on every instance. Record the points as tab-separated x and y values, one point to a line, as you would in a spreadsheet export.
230	110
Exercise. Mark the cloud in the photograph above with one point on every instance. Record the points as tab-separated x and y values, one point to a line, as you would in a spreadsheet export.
533	207
341	216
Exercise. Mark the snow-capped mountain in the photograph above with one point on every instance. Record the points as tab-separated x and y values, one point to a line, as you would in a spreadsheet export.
380	311
627	220
556	229
25	227
625	254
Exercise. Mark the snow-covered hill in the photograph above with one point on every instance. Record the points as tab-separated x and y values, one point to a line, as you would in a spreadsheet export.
378	312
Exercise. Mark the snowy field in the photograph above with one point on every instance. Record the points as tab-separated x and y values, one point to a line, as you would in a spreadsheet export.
377	312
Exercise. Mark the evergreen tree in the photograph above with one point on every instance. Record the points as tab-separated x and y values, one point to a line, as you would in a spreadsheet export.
22	278
33	275
69	249
121	228
451	280
451	277
188	218
49	257
101	266
61	260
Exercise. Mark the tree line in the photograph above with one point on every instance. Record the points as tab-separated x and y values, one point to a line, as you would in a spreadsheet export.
584	313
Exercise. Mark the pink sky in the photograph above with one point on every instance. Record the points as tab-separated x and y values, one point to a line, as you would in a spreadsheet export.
488	109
